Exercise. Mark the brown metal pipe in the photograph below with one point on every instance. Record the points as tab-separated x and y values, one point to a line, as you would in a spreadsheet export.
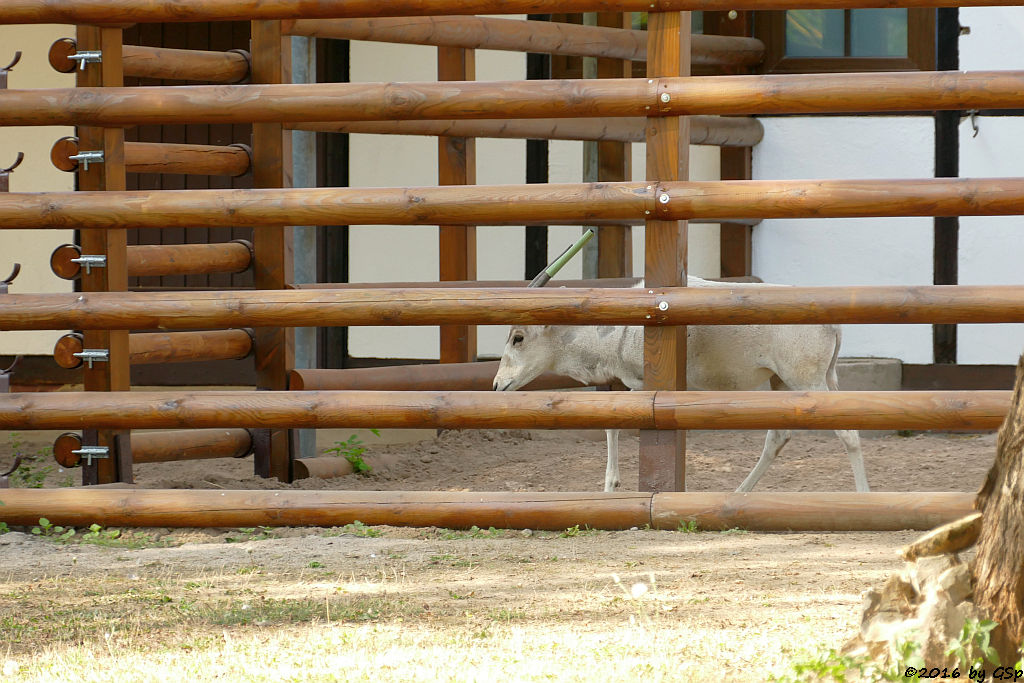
833	511
669	96
531	306
170	259
135	11
164	63
514	204
187	444
165	347
492	33
506	410
425	377
723	131
159	157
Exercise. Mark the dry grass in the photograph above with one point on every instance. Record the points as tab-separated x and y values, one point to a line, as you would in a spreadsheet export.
599	606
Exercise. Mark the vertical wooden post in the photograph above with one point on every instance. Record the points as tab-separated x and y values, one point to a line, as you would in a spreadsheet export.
113	374
272	250
456	165
663	453
614	242
734	239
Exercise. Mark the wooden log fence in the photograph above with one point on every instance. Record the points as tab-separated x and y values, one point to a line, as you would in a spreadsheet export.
147	447
530	306
477	376
654	410
134	11
160	157
165	347
164	259
661	96
724	131
492	33
165	63
887	511
514	204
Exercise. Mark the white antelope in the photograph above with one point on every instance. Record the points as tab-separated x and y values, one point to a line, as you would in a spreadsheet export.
719	358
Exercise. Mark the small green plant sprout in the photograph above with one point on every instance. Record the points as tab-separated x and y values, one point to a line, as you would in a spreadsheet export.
974	647
357	528
48	530
4	528
574	530
688	526
352	449
33	469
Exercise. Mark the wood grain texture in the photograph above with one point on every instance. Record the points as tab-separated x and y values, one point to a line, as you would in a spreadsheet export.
493	33
456	165
164	63
453	510
727	131
158	259
107	177
809	511
447	376
433	306
515	204
155	157
722	95
173	446
133	11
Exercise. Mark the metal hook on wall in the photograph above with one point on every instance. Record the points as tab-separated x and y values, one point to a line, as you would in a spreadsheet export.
6	282
5	174
7	69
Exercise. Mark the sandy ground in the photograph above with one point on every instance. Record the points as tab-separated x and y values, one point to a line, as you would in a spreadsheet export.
741	602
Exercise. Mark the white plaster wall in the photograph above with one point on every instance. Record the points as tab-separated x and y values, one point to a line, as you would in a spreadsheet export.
853	251
32	248
991	247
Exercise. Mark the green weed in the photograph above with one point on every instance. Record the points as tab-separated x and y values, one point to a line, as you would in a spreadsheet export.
352	449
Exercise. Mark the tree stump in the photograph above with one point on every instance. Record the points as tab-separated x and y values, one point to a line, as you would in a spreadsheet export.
998	569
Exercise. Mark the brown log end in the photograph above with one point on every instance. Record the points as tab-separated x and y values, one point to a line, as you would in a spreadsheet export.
62	447
65	349
62	151
61	263
60	50
323	467
948	538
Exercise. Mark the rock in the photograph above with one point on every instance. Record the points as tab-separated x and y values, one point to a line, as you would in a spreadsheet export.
925	571
15	538
956	581
939	622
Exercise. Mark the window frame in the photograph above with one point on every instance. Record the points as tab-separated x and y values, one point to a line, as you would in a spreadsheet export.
770	28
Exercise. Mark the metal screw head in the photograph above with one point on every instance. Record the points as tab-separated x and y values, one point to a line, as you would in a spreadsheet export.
665	97
733	14
663	198
662	305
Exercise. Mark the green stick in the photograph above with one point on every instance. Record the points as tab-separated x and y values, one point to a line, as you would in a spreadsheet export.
556	265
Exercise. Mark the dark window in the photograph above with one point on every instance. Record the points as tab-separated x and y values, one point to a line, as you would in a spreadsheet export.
832	40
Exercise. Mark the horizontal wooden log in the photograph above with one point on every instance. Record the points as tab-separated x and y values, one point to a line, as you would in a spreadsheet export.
160	157
506	410
433	377
722	131
493	33
882	511
226	508
133	11
151	348
514	204
186	444
459	510
164	63
164	259
532	306
610	282
679	96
